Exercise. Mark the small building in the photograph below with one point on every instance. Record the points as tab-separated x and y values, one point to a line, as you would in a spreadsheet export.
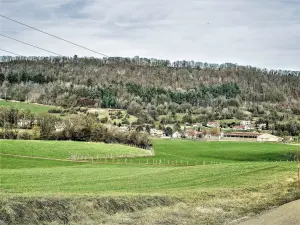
24	123
245	123
213	124
242	127
176	135
262	126
157	133
124	128
268	138
191	133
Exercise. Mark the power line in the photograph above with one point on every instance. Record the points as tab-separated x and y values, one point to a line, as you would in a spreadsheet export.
53	35
9	52
30	45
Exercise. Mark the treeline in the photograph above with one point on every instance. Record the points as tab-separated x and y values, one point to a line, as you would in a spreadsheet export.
115	82
76	128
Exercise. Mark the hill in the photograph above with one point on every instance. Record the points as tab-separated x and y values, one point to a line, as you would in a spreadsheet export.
109	79
68	150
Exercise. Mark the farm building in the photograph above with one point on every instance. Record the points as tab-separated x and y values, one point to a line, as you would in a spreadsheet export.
269	138
242	134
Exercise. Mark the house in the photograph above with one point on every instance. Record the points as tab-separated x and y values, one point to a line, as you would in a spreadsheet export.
268	138
262	126
123	128
242	127
245	123
157	133
191	133
176	135
24	123
213	124
196	125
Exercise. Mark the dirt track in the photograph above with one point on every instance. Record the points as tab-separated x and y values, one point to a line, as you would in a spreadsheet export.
288	214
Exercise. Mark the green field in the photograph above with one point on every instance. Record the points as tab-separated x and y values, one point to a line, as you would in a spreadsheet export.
200	152
35	108
238	179
66	149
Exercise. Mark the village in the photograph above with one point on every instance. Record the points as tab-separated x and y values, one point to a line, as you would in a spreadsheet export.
212	131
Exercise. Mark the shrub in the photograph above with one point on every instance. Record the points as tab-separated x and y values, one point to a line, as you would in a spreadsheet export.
55	110
104	120
25	136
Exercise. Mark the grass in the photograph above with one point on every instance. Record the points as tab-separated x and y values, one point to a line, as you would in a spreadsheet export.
35	108
220	152
104	113
11	162
112	179
65	149
248	181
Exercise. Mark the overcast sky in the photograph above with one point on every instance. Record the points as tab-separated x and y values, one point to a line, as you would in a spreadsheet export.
263	33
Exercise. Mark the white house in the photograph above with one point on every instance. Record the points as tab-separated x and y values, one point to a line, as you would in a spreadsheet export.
262	126
213	124
123	128
176	135
245	123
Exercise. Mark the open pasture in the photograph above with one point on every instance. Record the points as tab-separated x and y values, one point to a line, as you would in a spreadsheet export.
245	179
35	108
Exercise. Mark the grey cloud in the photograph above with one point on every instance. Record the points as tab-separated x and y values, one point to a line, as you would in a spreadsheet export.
261	33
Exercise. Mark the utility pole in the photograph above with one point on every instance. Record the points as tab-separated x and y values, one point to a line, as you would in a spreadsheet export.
298	170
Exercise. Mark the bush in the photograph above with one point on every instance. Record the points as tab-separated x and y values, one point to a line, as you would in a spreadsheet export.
9	134
25	136
55	110
83	109
104	120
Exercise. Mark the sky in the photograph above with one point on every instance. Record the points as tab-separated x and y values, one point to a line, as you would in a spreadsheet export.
262	33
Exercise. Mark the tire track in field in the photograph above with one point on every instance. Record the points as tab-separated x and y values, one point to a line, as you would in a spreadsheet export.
37	157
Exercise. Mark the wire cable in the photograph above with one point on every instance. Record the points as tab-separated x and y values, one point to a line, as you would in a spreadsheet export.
31	45
44	32
9	52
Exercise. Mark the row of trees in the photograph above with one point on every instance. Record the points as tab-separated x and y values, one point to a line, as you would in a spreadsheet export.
76	128
140	61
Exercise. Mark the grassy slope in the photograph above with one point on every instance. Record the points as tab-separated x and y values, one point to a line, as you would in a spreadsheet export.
10	162
210	194
97	178
64	149
216	152
35	108
104	113
113	179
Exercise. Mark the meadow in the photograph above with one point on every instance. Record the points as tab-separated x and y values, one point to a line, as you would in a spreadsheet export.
237	180
34	108
67	149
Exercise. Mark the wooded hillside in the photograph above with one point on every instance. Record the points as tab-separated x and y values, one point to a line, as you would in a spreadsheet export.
116	82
